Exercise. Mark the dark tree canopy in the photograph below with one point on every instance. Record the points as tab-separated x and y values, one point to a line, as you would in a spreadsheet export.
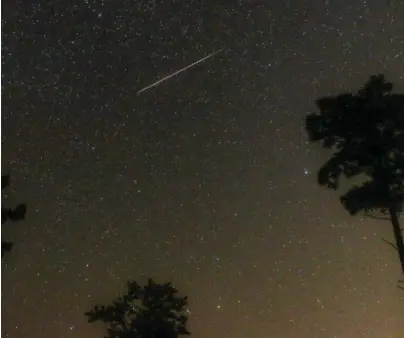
366	134
8	214
152	311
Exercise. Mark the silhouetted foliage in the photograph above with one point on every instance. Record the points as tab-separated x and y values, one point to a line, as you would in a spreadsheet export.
366	133
8	214
152	311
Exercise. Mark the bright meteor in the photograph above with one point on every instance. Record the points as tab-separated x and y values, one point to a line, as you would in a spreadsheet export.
178	71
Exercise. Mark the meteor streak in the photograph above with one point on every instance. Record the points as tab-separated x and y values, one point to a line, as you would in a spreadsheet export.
178	71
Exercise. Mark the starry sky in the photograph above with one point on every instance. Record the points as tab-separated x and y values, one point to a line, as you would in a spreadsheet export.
206	180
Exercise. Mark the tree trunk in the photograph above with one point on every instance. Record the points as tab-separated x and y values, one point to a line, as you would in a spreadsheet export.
398	235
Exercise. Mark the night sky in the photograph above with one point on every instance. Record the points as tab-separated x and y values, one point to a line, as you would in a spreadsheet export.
206	180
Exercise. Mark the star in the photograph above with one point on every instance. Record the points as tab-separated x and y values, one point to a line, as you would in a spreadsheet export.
204	179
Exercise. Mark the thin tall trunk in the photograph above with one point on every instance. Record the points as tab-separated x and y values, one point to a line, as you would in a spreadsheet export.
398	235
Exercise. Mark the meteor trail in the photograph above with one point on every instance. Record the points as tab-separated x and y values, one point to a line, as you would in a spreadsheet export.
178	71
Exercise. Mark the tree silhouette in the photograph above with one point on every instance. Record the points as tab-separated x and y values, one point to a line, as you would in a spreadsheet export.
8	214
366	134
152	311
